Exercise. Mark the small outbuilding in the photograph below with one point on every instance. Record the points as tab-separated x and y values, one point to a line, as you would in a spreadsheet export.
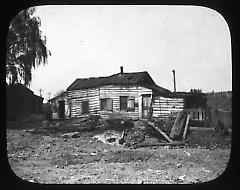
22	101
59	106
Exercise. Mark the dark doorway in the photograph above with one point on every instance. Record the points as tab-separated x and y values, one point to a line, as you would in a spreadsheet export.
61	109
146	106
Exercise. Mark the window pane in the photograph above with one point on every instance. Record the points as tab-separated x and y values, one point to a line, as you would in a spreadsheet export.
85	108
146	101
109	104
106	104
130	104
123	103
103	104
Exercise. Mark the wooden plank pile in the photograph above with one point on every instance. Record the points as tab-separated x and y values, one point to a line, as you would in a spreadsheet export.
178	132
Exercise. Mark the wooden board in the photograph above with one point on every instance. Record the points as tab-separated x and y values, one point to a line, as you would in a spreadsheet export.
174	143
175	125
186	127
181	123
160	131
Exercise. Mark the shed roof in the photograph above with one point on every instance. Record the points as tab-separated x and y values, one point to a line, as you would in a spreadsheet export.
21	91
61	95
136	78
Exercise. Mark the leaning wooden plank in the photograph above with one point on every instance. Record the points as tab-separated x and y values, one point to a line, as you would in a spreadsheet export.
175	125
121	140
181	124
160	144
186	127
160	131
202	128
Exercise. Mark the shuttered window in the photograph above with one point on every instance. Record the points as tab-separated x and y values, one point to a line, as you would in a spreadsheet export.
106	104
127	103
130	104
85	107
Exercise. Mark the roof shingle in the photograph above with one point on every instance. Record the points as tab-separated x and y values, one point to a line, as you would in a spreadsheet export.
136	78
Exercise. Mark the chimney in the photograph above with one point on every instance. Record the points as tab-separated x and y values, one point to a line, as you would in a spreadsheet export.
174	80
121	69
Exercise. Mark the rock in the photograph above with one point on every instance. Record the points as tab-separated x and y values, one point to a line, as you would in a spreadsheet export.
179	165
31	180
166	147
182	177
187	153
75	136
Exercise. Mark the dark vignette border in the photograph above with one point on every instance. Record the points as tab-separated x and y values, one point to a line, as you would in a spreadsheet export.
226	8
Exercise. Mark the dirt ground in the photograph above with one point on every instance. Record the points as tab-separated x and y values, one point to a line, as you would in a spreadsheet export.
73	156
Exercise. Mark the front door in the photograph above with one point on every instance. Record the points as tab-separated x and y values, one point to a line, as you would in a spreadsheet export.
61	109
146	106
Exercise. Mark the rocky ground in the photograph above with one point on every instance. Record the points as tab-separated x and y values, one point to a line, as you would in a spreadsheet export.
59	155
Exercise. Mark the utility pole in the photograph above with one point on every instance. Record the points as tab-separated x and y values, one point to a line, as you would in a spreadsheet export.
40	92
174	80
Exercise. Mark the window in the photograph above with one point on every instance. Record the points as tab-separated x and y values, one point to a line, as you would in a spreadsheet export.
106	104
130	104
123	103
85	107
127	103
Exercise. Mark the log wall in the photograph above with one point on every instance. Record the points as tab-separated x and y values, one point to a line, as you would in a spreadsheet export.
76	97
163	107
114	92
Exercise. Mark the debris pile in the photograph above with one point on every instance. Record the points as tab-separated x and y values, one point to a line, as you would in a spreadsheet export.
133	137
109	137
89	123
118	124
172	131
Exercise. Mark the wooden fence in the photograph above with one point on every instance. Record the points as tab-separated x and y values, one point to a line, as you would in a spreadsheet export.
197	114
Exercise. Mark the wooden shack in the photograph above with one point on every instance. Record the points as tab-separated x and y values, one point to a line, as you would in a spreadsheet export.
22	101
59	106
128	95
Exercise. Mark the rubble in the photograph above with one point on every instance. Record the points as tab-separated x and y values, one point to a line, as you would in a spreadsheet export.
108	137
135	133
77	143
68	159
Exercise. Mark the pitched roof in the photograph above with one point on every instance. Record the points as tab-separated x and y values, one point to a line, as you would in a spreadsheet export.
20	90
61	95
136	78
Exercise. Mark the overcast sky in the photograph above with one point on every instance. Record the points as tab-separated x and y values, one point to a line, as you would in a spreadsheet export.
94	41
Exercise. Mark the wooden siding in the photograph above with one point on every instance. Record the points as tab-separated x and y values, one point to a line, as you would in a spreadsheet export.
55	107
114	92
198	114
76	97
163	107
